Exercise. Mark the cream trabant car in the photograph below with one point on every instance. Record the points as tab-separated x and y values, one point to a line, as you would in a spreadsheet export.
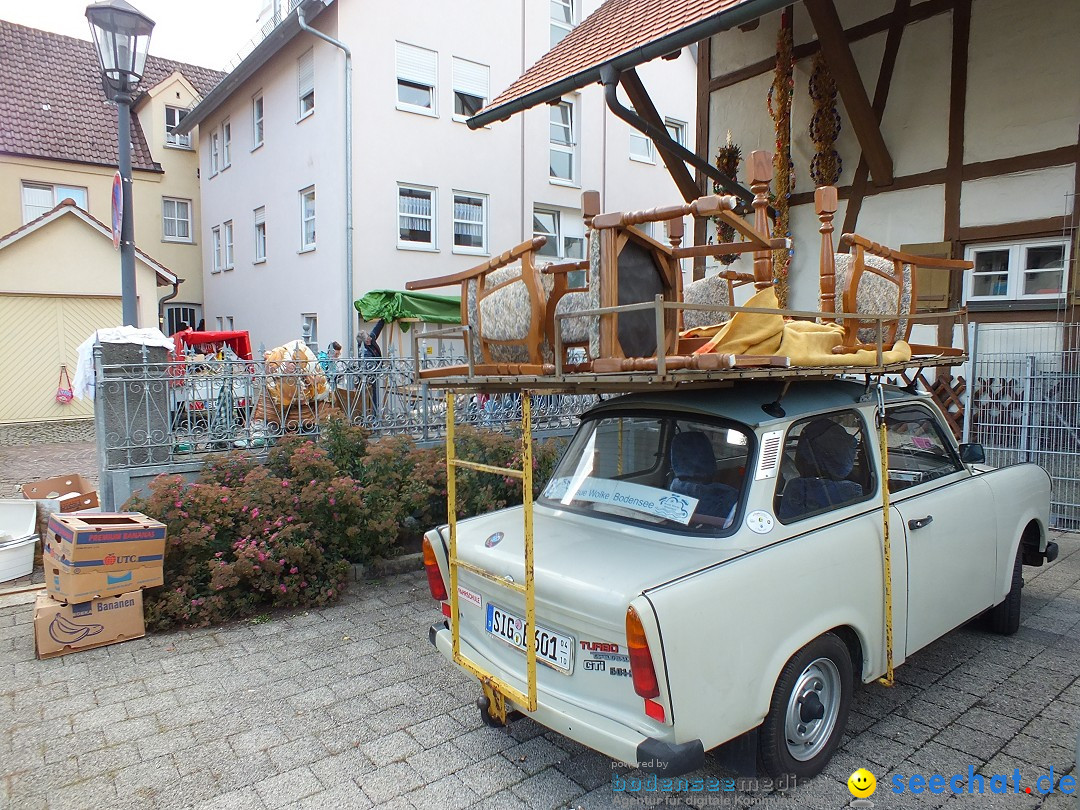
711	562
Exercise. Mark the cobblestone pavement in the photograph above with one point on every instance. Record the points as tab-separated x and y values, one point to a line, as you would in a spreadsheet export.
350	707
31	462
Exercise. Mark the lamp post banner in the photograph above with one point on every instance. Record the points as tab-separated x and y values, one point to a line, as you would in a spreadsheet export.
117	208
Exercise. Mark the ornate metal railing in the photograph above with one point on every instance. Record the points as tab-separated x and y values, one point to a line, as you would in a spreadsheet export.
155	412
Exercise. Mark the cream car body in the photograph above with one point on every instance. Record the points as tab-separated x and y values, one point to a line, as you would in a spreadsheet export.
727	611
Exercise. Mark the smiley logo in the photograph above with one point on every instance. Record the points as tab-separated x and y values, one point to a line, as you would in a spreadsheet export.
862	784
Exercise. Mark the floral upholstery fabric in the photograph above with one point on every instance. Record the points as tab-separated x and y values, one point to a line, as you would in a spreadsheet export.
593	324
574	330
504	314
876	295
709	290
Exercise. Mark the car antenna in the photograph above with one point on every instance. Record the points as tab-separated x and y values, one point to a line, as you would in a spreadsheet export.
774	409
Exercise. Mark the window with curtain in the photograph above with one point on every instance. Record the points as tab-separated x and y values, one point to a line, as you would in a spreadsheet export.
257	122
175	219
215	246
40	198
215	153
305	70
470	223
416	216
417	79
307	219
260	234
173	116
228	244
226	145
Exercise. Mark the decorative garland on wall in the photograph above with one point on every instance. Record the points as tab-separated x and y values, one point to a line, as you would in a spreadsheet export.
826	165
728	158
783	168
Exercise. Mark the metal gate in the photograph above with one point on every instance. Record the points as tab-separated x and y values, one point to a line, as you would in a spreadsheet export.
1024	404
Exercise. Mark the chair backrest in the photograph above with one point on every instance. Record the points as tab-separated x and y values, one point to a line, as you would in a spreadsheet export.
694	464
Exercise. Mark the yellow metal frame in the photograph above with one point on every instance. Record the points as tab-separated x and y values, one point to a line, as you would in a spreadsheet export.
883	441
495	689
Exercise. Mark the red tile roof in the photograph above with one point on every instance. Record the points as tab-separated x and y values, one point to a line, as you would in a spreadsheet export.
615	31
53	106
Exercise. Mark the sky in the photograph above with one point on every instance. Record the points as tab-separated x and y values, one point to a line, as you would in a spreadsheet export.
208	33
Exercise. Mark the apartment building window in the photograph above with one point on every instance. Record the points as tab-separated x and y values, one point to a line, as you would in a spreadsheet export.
471	87
226	145
215	246
175	220
227	236
305	71
565	234
257	122
676	130
416	217
563	147
563	19
260	235
173	116
417	72
470	222
307	219
40	198
641	147
215	153
1030	270
181	316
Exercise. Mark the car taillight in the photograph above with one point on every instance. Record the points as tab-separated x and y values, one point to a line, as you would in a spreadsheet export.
641	665
434	576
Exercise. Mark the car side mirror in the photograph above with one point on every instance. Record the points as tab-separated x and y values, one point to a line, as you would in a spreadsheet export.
972	453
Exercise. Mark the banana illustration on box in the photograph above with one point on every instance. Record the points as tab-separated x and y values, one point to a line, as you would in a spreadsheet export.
64	631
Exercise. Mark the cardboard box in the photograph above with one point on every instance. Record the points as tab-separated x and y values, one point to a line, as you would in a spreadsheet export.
69	584
61	629
93	555
70	492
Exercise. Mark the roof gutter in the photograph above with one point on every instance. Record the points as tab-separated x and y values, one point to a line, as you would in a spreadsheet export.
349	320
743	13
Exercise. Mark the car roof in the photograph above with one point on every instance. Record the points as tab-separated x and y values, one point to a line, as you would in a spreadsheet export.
743	401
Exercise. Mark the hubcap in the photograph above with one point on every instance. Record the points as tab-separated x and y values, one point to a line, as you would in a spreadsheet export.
812	709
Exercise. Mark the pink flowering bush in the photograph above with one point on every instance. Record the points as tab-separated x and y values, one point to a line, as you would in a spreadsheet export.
249	535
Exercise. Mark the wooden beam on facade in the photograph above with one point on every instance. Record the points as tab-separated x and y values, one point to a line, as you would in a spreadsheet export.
881	97
643	105
845	74
701	143
954	166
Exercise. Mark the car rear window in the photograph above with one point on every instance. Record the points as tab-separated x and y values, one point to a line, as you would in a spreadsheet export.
682	474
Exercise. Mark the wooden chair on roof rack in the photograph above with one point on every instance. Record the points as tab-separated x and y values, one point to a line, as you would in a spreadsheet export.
873	280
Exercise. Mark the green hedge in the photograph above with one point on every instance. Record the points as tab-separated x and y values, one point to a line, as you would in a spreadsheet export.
250	536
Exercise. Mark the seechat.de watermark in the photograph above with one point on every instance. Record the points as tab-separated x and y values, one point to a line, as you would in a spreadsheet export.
862	784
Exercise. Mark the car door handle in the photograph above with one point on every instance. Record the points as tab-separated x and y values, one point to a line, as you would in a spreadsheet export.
918	523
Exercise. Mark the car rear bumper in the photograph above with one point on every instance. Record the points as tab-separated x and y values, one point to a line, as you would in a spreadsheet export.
610	737
1034	557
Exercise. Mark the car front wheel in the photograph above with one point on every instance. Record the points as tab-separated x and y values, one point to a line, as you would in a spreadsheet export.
809	710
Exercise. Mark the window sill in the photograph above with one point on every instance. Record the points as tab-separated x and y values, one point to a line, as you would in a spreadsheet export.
409	108
179	147
464	119
557	181
417	246
257	147
303	250
640	159
464	251
1017	304
226	166
166	240
306	115
259	261
230	267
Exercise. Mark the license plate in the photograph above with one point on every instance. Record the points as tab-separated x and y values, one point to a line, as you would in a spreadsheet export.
553	649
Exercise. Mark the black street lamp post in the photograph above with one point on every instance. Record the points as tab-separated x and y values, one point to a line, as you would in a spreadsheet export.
122	36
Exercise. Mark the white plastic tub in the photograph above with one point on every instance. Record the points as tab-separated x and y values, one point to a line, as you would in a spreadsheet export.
17	519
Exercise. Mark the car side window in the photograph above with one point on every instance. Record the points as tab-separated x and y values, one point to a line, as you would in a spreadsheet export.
824	467
918	450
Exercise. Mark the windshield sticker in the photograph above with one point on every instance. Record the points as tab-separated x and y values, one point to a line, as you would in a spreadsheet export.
649	500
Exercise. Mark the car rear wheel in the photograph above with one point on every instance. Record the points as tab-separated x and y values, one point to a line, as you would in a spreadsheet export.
1004	619
809	710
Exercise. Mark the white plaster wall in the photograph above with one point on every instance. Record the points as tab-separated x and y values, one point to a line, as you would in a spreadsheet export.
1018	197
1023	77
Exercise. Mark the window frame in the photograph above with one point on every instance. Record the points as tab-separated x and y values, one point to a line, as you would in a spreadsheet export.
229	259
570	148
650	148
57	198
215	153
305	246
164	218
482	250
226	144
459	80
562	234
944	439
259	222
215	247
176	141
305	101
416	80
680	129
561	25
258	121
1016	271
405	244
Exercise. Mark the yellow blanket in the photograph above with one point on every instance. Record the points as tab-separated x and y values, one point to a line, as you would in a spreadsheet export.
804	342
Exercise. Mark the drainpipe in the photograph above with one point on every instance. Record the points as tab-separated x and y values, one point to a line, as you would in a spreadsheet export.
163	299
350	320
